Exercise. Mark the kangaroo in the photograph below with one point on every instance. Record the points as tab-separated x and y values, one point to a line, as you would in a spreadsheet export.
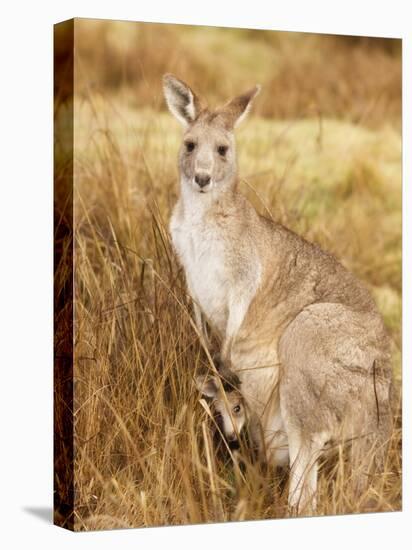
236	421
301	332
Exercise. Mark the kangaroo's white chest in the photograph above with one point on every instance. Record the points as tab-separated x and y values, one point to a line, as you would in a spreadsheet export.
201	250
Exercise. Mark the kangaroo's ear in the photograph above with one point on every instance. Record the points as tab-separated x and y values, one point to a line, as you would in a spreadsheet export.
181	100
207	385
236	110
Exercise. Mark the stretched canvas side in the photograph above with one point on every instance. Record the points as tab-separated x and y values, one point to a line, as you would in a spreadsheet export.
63	275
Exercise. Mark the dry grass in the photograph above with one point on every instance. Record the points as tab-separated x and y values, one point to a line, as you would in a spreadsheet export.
144	452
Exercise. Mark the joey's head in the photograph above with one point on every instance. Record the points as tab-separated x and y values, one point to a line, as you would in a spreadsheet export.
228	404
207	157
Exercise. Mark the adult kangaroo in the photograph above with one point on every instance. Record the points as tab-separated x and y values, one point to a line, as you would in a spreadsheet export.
301	332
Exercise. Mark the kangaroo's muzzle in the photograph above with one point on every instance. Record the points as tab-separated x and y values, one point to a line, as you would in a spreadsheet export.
202	180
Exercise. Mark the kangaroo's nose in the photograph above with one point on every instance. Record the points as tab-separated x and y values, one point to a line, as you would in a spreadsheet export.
202	180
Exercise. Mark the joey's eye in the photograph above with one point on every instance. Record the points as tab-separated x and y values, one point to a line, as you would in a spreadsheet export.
190	145
236	409
222	150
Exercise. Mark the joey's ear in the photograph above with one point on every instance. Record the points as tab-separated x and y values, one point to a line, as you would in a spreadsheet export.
230	379
207	385
181	100
236	110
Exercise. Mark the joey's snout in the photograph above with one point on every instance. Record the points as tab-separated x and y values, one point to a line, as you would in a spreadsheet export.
231	437
202	179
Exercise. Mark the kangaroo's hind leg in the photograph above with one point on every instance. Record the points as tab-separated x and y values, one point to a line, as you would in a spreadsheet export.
304	455
327	385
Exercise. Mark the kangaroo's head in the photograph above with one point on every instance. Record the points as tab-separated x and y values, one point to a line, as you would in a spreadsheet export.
228	404
207	157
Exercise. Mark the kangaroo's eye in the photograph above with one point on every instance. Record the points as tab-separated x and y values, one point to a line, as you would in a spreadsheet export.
236	409
222	150
190	145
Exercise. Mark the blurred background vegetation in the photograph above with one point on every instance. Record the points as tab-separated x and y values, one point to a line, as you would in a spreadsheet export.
346	77
320	152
